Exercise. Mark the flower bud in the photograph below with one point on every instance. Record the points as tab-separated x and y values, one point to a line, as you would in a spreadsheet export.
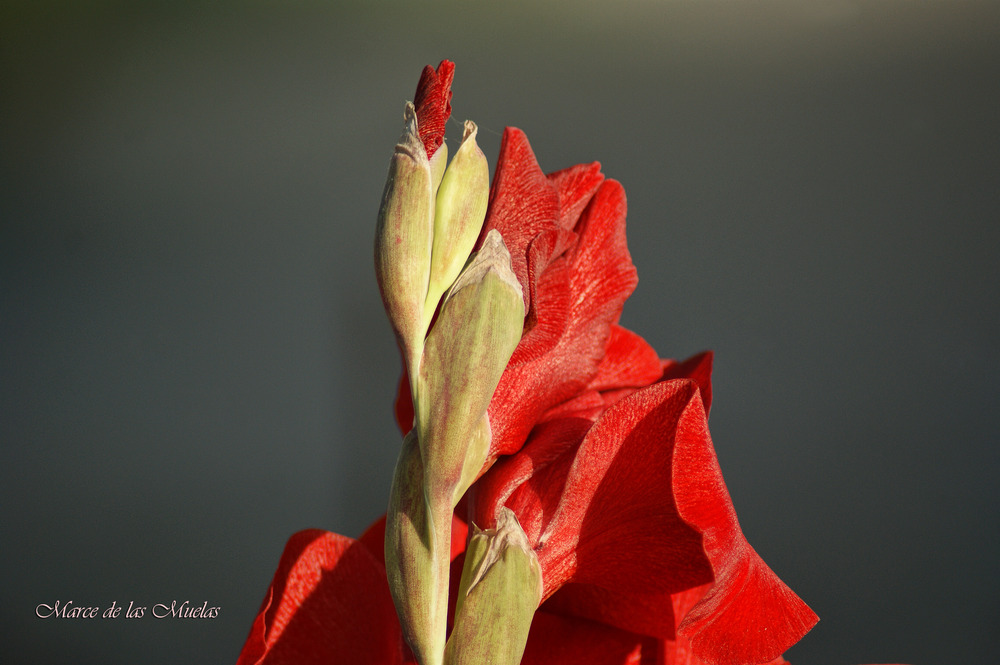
417	557
460	209
466	352
404	239
500	589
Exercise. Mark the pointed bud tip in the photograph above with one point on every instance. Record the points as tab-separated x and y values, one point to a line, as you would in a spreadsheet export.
509	529
508	534
491	257
470	131
409	142
500	590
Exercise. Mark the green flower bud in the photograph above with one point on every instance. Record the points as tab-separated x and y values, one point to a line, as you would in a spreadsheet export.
466	352
459	213
417	557
500	590
404	239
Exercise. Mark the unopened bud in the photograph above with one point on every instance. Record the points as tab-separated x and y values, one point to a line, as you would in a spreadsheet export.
404	239
500	590
477	330
459	213
417	557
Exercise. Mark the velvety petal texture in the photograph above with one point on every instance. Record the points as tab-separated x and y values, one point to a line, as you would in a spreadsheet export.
748	615
329	602
566	640
433	104
637	511
679	651
566	236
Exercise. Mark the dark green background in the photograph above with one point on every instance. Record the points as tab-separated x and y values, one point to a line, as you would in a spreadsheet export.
194	362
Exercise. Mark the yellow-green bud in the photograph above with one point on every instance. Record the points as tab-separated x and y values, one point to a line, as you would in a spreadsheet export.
417	557
466	352
404	239
459	213
500	589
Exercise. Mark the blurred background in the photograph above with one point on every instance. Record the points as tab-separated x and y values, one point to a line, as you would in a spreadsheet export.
194	361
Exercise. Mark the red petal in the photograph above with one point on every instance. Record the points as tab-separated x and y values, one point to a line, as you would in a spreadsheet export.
577	300
639	509
617	526
576	186
433	104
560	640
643	613
697	368
328	602
749	615
629	361
589	405
678	651
523	204
596	502
530	482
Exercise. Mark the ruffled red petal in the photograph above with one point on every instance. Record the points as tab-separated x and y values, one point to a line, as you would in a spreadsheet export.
329	602
433	103
524	205
629	364
617	525
679	651
748	615
595	501
629	361
698	368
531	482
576	283
638	509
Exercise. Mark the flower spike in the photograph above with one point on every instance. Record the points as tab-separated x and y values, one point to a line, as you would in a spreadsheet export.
610	536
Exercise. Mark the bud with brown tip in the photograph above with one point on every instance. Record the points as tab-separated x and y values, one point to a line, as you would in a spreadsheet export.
500	589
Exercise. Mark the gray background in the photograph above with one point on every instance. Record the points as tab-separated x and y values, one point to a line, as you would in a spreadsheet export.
194	362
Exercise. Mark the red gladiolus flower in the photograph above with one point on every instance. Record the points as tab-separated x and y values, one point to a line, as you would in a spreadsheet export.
630	509
600	448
